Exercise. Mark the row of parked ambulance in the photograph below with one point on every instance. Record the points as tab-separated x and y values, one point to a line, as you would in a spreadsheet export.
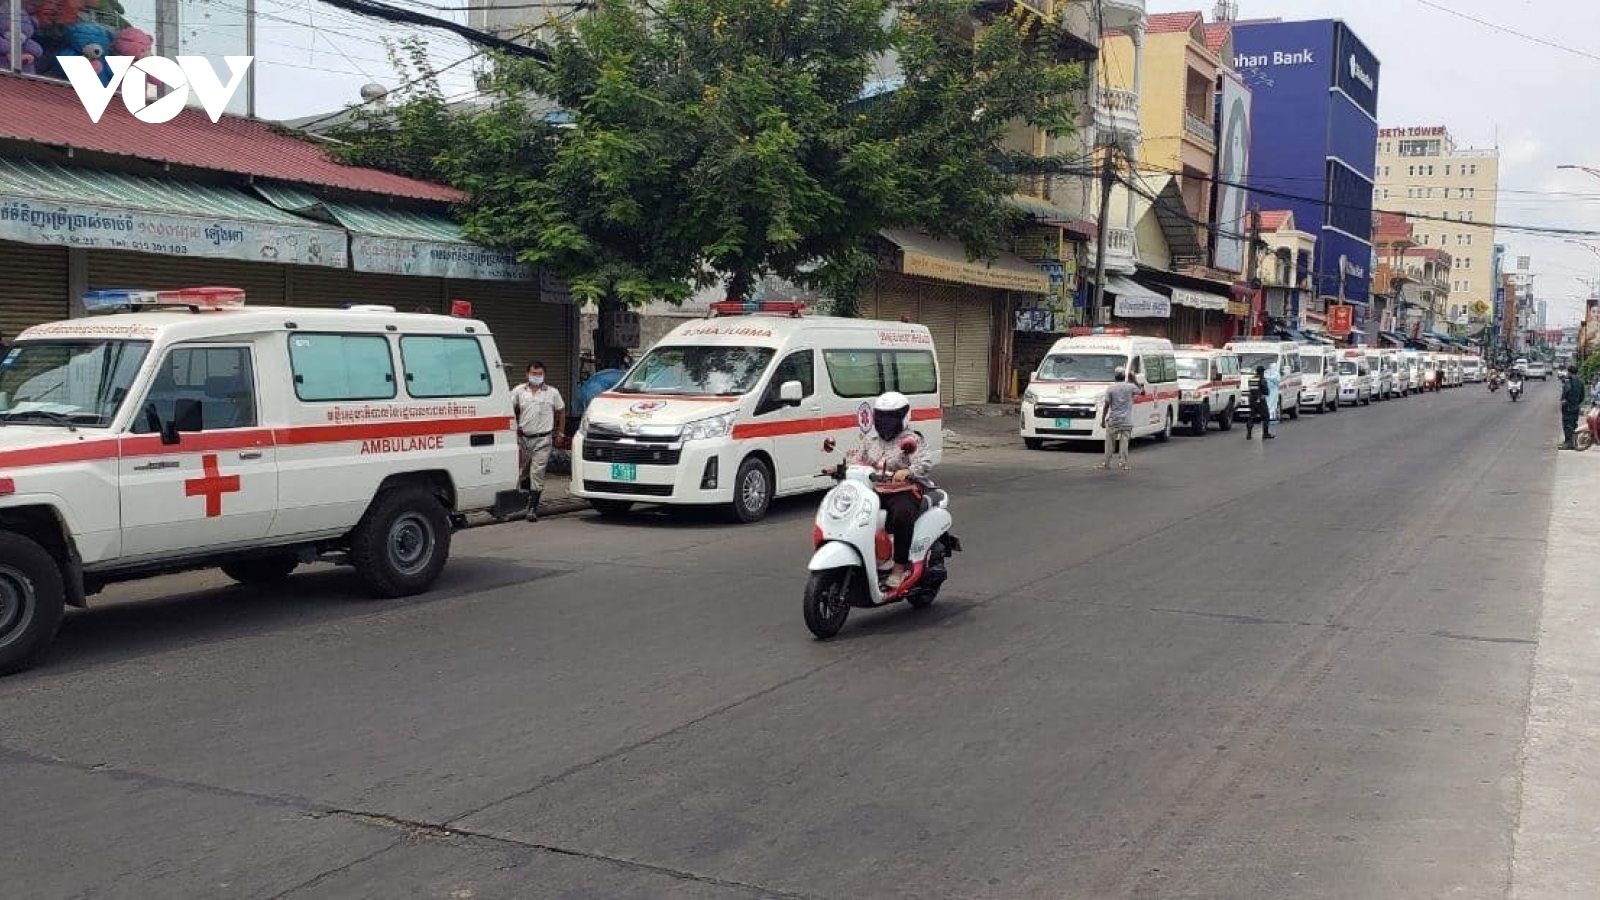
1194	386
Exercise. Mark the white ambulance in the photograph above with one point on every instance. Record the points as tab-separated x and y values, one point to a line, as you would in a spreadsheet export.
1356	383
1319	373
1283	354
1209	380
1065	397
747	405
199	432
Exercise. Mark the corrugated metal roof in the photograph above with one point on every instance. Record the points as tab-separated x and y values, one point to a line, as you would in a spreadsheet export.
59	184
373	221
49	112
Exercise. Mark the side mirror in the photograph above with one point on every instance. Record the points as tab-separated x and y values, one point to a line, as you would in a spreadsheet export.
1034	375
187	416
790	393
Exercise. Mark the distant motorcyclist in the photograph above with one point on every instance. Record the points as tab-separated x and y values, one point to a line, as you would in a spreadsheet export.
895	450
1572	396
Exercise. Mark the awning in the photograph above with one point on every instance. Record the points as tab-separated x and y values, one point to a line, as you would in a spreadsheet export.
42	203
1044	211
1395	338
923	256
400	242
1135	301
1199	299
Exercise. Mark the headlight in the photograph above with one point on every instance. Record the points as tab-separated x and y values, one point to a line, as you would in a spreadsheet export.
706	429
1028	396
842	503
583	425
1191	395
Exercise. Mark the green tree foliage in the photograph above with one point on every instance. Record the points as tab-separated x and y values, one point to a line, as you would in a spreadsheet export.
706	140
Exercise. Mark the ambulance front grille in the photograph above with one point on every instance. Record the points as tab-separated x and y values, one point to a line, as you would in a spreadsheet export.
642	454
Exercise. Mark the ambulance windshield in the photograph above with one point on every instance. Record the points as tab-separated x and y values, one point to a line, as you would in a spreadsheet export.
1194	369
1251	360
698	371
68	382
1082	366
1311	365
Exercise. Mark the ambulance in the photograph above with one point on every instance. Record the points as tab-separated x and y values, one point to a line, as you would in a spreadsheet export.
1385	368
1209	380
1356	383
1411	366
749	404
1066	395
1283	354
1319	371
184	429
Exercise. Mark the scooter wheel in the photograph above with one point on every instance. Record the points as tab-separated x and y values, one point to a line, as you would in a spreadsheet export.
826	603
1583	440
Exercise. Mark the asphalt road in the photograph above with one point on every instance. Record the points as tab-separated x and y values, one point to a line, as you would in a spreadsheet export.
1294	669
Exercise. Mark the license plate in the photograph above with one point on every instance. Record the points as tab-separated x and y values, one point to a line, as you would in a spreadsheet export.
1064	423
624	472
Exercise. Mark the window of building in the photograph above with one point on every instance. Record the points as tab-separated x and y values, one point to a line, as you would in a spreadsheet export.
1447	193
1469	240
341	366
444	366
1411	170
1447	168
1419	148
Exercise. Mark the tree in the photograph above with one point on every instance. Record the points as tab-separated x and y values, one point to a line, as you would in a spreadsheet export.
726	140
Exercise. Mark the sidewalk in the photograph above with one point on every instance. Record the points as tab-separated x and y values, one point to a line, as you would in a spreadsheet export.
1558	830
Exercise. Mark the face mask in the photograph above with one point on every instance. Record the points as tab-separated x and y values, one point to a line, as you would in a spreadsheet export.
536	380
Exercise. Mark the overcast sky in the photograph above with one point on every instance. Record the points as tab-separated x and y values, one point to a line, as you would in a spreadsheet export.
1486	85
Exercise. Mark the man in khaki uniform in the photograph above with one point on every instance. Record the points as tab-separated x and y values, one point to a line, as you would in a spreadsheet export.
541	426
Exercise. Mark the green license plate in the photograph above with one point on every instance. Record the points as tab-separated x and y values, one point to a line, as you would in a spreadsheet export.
1063	423
624	472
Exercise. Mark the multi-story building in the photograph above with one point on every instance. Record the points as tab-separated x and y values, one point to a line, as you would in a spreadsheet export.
1283	267
1414	279
1451	194
1314	89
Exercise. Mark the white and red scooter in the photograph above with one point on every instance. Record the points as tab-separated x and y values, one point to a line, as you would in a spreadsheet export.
854	552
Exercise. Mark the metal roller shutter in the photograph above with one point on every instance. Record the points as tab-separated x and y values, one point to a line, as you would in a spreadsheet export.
937	310
896	298
974	324
334	288
264	283
34	289
525	328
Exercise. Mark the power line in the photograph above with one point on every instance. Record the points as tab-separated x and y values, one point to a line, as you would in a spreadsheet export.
390	13
1527	37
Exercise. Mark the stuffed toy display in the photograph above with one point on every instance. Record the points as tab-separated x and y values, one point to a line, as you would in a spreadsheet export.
134	42
32	51
90	41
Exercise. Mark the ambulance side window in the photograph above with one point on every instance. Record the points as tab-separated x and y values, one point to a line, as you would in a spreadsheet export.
797	366
341	366
915	372
218	381
444	366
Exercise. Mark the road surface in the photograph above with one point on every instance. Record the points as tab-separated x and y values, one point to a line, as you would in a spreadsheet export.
1293	669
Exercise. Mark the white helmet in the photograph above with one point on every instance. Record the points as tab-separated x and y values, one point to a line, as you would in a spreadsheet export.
889	414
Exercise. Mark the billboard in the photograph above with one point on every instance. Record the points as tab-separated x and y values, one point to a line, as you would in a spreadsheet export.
1356	70
1233	173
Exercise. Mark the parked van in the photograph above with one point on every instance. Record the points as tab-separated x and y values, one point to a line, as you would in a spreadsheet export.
1432	372
1319	369
1209	381
1385	367
1064	400
1356	384
1472	369
1411	370
1283	354
738	409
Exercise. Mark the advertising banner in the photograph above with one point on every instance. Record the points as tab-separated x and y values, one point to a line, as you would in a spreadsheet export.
1233	172
1142	307
109	228
1341	319
1356	70
400	256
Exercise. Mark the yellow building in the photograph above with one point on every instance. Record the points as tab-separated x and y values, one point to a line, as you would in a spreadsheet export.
1451	195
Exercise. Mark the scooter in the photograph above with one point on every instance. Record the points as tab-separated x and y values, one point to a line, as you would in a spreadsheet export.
1588	428
1494	384
854	552
1514	388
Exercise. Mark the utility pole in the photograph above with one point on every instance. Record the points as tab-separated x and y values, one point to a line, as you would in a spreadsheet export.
1108	174
1252	271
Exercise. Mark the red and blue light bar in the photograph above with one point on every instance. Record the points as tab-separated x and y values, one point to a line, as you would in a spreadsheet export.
194	298
752	307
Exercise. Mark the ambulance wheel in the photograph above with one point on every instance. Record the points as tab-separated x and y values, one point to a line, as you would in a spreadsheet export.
612	509
1165	434
826	606
1294	412
1225	421
262	569
402	543
1033	443
752	491
1202	418
32	601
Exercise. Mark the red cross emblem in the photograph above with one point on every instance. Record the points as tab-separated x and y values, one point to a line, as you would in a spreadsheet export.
212	485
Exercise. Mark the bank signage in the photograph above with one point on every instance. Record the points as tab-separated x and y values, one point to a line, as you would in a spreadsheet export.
32	221
1356	70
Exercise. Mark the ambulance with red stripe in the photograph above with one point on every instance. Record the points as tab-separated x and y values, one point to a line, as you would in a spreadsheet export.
1065	396
1209	379
185	429
749	404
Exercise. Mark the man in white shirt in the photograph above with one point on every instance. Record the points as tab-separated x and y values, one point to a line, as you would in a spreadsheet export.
541	426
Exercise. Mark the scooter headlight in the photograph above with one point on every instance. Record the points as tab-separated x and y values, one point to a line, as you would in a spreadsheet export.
842	502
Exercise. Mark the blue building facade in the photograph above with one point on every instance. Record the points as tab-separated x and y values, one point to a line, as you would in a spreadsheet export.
1314	144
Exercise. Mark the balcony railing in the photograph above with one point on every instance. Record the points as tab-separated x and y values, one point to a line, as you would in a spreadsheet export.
1121	254
1199	128
1123	15
1116	114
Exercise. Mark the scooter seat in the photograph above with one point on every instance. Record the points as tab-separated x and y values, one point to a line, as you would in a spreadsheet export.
934	499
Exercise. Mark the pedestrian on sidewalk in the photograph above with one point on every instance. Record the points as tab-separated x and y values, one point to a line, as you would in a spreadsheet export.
1572	396
1259	392
541	426
1117	419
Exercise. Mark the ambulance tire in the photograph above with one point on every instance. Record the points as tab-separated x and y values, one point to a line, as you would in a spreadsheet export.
1294	412
1033	443
402	543
262	569
1165	434
33	599
1202	418
752	492
611	509
1225	421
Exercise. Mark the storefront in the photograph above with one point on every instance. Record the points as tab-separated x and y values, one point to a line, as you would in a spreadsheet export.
967	305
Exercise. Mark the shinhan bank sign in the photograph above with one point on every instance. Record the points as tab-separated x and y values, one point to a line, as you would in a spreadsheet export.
180	75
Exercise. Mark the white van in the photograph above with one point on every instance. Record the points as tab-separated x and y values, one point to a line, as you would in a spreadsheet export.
1384	365
1411	374
1064	399
1283	354
1356	384
1209	380
738	409
1319	371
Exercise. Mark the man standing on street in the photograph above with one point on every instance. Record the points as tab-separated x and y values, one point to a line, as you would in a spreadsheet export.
1259	413
541	425
1117	419
1572	395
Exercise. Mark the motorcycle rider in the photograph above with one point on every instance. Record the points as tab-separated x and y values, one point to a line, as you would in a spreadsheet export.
895	450
1514	380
